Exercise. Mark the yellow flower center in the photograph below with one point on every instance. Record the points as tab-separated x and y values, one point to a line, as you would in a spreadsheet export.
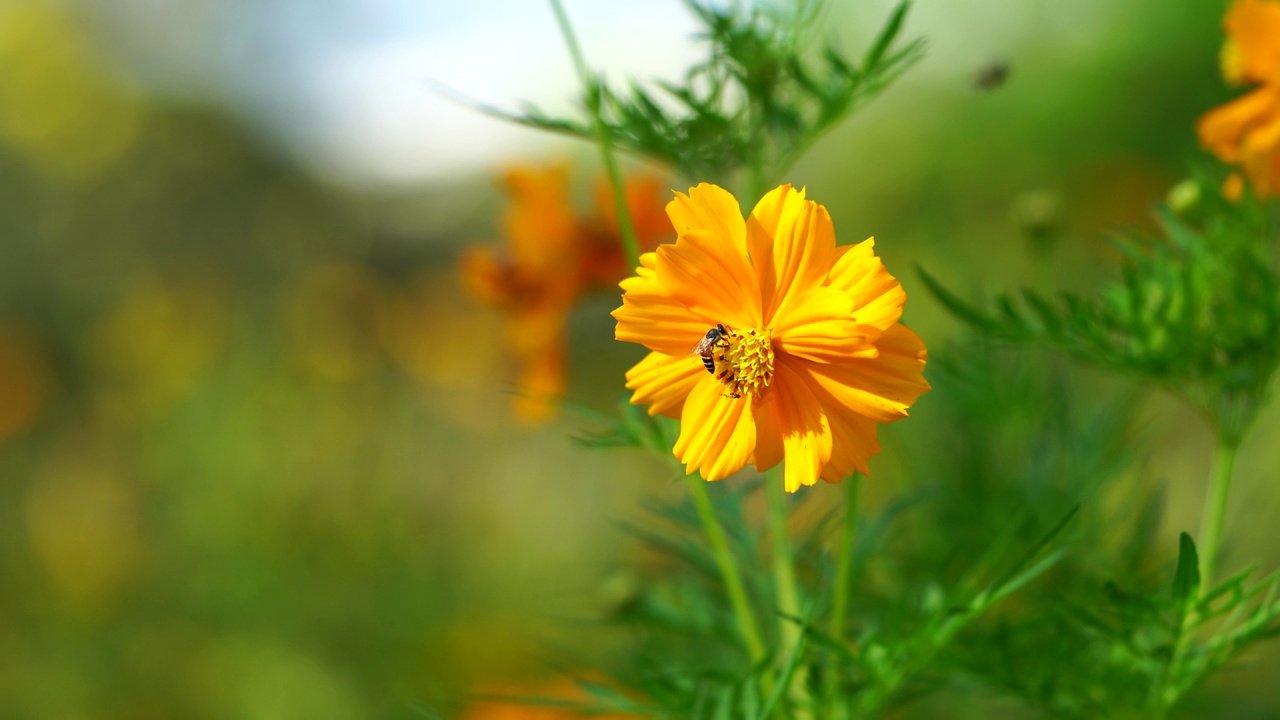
745	365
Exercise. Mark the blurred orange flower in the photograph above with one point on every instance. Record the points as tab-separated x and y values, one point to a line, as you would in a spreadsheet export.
802	355
550	257
515	710
1246	131
22	379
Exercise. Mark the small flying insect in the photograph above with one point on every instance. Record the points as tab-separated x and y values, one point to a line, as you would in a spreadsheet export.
991	76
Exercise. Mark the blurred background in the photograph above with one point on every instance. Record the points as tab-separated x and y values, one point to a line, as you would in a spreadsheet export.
257	452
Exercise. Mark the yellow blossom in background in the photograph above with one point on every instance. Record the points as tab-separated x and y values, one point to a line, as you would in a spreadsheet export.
151	350
549	258
1246	131
812	359
330	315
83	525
63	107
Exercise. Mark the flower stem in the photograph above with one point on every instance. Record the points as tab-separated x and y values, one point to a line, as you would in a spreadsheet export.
1215	509
784	577
594	95
840	601
730	574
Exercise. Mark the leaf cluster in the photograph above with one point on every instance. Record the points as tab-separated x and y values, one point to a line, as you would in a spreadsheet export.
1135	651
757	102
686	659
1197	311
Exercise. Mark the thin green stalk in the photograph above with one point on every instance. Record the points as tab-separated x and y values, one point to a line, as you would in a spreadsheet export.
1164	692
1215	510
784	578
730	574
595	96
752	185
840	601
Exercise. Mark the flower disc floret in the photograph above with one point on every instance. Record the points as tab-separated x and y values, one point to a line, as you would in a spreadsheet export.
746	365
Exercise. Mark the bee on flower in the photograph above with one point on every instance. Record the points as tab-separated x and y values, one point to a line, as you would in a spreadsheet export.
551	257
798	350
1246	131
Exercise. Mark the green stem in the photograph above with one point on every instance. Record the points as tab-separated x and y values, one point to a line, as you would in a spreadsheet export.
752	186
1165	691
594	98
1215	510
840	601
730	574
784	577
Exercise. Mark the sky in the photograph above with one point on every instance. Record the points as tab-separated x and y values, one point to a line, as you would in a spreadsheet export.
351	88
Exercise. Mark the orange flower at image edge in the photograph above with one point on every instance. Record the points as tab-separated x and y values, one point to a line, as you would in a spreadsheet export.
1246	131
812	357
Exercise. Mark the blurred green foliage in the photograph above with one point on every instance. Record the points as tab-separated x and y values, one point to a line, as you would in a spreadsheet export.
754	106
252	463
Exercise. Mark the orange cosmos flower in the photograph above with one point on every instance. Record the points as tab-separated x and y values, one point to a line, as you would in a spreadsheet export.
514	709
812	357
533	281
551	257
1246	131
604	262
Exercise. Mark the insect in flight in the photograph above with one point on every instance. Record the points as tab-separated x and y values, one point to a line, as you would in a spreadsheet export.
991	76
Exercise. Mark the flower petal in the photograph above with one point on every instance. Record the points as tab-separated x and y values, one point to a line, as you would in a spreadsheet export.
1259	153
769	449
717	433
1253	27
648	261
880	388
538	339
699	272
877	296
712	233
853	442
792	244
664	381
806	434
652	317
820	327
539	222
1222	129
710	207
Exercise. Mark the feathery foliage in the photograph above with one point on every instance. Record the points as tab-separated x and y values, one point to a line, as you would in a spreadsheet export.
1197	311
756	103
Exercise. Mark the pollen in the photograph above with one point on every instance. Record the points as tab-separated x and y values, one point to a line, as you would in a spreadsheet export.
747	366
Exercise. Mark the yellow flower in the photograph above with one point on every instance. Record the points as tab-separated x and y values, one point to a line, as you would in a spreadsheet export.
1246	131
813	357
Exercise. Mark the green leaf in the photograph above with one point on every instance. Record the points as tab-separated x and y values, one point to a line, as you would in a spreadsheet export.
784	683
1186	582
887	35
1011	575
958	307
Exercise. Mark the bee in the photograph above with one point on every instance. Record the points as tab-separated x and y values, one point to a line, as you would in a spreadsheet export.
711	347
716	338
